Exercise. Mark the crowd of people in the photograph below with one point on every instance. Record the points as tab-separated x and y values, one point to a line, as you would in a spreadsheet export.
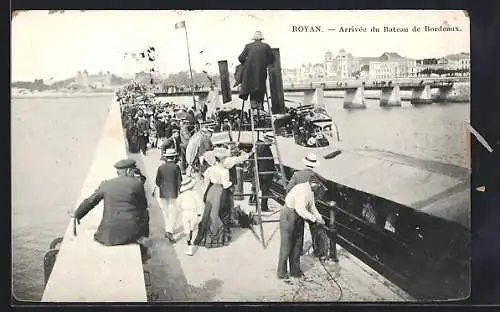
188	159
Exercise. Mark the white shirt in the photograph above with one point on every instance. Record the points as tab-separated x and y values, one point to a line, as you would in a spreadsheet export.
217	174
189	201
301	199
232	161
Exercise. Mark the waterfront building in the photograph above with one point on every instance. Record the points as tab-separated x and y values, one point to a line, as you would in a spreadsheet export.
342	66
392	65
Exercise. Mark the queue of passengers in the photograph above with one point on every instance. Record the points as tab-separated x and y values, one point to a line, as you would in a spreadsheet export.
207	218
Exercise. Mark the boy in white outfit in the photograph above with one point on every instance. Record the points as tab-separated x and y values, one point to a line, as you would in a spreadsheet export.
191	206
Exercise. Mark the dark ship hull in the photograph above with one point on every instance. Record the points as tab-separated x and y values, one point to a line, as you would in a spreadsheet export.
405	217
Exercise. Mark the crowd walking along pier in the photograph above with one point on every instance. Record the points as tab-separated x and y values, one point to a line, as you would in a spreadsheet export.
401	223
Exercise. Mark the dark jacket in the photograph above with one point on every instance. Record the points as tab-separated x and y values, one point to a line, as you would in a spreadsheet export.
172	143
264	164
301	176
160	129
168	179
143	126
125	213
256	56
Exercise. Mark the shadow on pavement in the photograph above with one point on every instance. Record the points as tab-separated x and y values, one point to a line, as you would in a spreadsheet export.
167	281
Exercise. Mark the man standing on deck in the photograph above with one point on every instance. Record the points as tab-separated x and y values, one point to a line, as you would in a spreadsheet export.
168	179
125	214
256	56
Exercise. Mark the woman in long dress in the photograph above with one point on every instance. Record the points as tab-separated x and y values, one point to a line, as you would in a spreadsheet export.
212	232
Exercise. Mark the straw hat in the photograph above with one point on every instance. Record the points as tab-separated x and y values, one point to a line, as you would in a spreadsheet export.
258	36
170	152
187	184
311	160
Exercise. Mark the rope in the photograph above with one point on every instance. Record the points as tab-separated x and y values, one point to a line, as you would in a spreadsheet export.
316	235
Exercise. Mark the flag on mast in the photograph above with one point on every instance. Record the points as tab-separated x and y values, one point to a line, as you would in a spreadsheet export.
181	24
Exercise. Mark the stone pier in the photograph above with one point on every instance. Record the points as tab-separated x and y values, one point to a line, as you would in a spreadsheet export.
458	92
315	97
390	96
421	95
354	98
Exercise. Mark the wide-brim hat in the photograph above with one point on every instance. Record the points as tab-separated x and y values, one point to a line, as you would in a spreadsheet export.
187	183
311	160
258	36
170	152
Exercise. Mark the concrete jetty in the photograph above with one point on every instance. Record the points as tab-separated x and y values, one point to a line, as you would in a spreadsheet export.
244	271
86	271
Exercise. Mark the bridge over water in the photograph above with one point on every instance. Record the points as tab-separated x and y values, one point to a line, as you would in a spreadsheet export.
354	90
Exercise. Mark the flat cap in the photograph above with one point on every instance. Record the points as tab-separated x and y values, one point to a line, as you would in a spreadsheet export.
125	163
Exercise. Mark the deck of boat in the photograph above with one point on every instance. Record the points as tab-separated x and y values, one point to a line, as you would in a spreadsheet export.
245	271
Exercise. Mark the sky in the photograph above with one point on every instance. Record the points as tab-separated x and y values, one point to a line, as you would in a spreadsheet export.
58	45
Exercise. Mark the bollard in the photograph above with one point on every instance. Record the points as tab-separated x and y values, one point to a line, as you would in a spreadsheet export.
239	183
333	235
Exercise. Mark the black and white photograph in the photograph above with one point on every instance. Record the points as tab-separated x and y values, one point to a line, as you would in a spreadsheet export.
241	156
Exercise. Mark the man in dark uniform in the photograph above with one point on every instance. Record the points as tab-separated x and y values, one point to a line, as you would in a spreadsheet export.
265	165
125	215
255	58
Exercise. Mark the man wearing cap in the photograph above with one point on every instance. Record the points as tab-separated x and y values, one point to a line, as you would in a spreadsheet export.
125	213
168	179
308	175
265	165
256	56
299	206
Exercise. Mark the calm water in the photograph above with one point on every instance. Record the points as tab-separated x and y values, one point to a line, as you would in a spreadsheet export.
429	131
54	141
53	144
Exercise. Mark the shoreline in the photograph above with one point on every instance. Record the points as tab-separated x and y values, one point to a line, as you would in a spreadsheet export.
61	95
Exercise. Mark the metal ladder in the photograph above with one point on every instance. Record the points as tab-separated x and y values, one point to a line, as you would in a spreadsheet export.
255	142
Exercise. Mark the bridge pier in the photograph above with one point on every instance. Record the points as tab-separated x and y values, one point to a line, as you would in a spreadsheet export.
390	96
315	97
452	93
354	98
421	95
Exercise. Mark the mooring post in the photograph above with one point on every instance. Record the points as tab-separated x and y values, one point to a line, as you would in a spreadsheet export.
224	82
276	84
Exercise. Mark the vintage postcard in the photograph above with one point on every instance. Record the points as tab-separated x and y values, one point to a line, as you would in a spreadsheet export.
240	156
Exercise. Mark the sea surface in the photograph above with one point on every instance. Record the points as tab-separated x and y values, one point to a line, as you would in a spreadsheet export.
53	142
